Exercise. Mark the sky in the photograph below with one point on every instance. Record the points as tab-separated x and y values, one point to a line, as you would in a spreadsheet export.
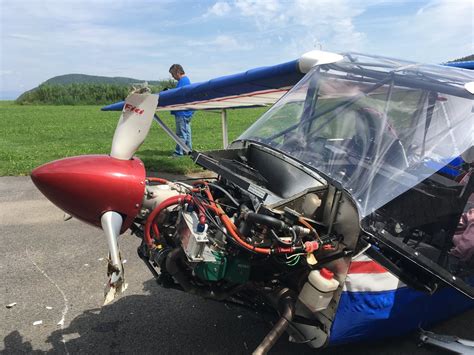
40	39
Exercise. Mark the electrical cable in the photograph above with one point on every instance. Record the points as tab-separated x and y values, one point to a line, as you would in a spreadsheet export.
311	228
212	220
294	262
227	193
279	240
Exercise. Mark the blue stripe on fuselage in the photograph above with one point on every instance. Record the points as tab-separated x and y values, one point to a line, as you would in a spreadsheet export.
375	315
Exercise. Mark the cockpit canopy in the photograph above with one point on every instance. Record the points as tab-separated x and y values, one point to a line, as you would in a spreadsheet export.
377	126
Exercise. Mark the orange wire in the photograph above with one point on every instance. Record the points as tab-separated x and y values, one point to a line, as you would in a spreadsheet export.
307	225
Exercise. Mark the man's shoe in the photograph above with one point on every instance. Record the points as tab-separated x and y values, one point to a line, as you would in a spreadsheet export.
175	155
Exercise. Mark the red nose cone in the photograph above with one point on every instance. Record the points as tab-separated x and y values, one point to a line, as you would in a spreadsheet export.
89	185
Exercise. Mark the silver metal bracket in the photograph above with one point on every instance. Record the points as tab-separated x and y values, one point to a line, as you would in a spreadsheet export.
448	342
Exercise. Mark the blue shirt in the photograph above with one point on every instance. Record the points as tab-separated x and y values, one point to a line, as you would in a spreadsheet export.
183	82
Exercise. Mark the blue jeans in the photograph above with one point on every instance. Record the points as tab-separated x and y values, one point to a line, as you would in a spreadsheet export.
183	131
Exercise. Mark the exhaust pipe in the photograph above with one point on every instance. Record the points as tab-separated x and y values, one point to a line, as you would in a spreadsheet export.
286	303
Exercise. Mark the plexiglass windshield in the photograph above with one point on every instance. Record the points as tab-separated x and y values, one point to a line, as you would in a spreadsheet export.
375	125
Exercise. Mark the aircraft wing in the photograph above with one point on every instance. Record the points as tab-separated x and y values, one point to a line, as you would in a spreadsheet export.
256	87
464	65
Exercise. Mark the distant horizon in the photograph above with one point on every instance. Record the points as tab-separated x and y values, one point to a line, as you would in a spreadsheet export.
11	96
43	39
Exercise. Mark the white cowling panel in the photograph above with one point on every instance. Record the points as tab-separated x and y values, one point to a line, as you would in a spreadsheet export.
316	57
134	124
470	87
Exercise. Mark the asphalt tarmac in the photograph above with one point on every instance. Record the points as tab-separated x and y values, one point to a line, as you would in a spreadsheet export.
55	272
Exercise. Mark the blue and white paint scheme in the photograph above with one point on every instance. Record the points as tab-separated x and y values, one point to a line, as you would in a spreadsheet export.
255	87
374	302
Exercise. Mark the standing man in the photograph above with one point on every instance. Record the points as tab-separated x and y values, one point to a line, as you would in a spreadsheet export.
182	118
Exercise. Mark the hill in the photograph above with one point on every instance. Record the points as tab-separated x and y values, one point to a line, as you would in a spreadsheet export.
94	79
82	89
464	59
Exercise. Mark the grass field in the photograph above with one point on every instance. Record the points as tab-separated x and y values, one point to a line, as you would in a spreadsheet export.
33	135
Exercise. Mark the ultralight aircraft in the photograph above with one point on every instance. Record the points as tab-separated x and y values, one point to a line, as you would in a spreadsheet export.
347	208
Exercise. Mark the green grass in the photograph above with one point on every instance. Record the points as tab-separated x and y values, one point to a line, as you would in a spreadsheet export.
35	134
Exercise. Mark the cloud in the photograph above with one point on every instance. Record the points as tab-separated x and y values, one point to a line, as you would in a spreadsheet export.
41	39
447	25
263	12
430	31
230	43
24	37
220	43
6	72
219	9
305	24
436	32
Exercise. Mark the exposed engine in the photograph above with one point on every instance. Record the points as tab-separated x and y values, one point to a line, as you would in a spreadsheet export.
216	240
208	233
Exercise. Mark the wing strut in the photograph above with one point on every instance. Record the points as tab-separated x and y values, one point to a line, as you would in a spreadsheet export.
225	137
173	135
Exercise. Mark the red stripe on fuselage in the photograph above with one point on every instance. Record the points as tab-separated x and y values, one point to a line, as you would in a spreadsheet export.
366	267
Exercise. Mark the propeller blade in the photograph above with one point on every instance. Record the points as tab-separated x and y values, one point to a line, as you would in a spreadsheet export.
111	224
134	124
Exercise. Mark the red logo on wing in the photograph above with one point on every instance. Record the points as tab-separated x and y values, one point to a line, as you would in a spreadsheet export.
134	109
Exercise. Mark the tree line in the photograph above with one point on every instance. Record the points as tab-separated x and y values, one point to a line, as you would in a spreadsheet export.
83	93
465	59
